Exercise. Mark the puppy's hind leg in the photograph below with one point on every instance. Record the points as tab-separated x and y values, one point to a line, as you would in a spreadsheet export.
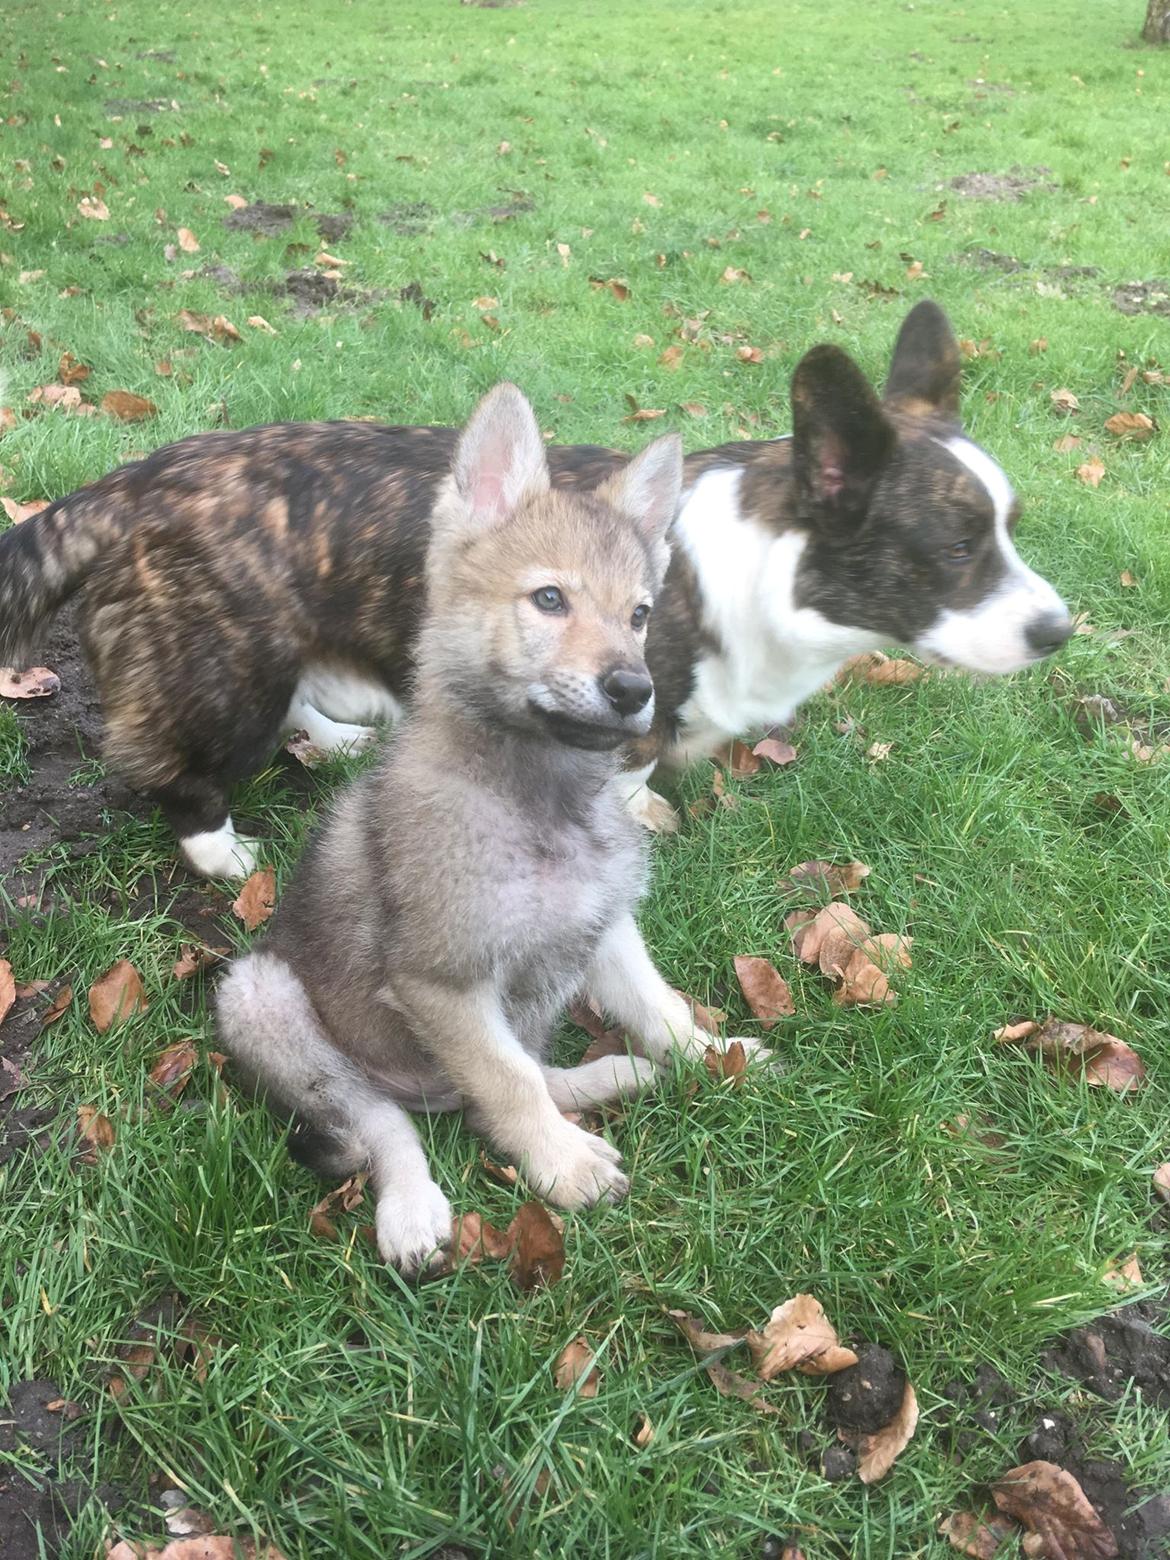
269	1026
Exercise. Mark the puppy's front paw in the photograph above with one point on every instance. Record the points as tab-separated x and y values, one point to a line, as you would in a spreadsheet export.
576	1169
413	1228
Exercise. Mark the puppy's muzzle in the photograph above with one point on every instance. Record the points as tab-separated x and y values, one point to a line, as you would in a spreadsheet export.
627	690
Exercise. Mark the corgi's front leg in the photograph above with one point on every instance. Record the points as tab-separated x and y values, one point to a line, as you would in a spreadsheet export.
469	1037
624	982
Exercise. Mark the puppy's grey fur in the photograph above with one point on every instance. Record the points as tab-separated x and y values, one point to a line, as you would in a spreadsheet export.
487	870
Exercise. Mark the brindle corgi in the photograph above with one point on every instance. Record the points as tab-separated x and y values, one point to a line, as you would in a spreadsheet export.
236	586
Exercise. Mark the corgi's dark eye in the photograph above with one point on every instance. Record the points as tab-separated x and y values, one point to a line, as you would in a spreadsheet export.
959	552
638	621
549	599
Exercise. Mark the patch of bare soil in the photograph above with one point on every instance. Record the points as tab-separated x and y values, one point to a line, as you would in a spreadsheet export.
1012	185
264	217
409	217
62	733
1143	297
312	291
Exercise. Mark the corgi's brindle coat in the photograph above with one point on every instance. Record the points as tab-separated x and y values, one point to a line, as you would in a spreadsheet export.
235	586
487	869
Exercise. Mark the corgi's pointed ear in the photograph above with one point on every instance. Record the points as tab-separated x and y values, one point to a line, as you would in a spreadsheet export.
647	488
925	369
499	460
841	438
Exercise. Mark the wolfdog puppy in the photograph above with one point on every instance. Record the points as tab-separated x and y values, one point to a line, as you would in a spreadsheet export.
487	870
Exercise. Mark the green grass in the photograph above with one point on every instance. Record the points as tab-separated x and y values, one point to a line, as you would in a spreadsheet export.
343	1413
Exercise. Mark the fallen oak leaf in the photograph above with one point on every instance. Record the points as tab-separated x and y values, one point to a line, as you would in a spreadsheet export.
830	938
94	209
536	1246
726	1065
1091	471
821	881
215	328
615	285
188	243
1064	402
36	682
346	1197
70	371
126	406
257	898
97	1131
173	1068
116	995
699	1338
1066	442
765	990
981	1538
576	1366
863	984
730	1383
890	951
1130	425
474	1239
775	751
1101	1059
798	1336
194	957
1051	1504
877	1451
738	759
58	1005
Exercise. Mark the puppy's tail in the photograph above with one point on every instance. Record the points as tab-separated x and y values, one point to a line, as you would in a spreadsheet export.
44	559
268	1025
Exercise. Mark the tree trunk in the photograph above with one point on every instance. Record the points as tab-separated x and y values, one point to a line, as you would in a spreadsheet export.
1157	28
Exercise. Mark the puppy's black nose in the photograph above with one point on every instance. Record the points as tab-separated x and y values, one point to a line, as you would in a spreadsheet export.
1047	634
627	691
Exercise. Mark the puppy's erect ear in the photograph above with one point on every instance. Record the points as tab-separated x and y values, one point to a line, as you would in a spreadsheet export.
841	438
648	487
499	460
925	369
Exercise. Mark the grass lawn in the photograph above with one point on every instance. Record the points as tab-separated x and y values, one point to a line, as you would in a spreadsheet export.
493	161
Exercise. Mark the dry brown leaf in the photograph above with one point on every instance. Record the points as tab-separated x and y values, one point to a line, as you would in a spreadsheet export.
1128	580
1065	402
738	759
643	1432
730	1384
830	938
345	1197
96	1130
878	751
70	371
19	513
765	989
258	322
1020	1031
890	951
474	1239
893	670
876	1452
1067	442
863	984
1053	1506
619	288
209	1547
7	988
747	354
1130	425
1162	1181
94	209
821	881
1125	1275
35	682
194	957
116	995
698	1337
173	1068
188	243
537	1247
257	898
726	1065
798	1336
708	1019
775	751
236	202
1091	471
672	358
506	1175
693	408
1101	1059
58	1005
576	1366
126	406
734	273
215	327
980	1537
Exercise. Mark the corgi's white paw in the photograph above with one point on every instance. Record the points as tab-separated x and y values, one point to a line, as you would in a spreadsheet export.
654	812
413	1228
344	738
220	853
575	1169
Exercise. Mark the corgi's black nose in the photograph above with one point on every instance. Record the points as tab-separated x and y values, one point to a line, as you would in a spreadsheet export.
627	691
1046	634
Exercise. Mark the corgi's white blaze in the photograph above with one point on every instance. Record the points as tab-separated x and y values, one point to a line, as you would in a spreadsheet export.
992	637
345	695
773	654
219	853
332	736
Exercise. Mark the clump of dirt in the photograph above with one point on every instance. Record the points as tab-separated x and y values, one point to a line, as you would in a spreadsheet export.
1117	1349
1072	273
312	291
62	733
263	217
413	293
408	217
223	276
1013	185
163	56
136	105
334	226
867	1395
991	260
504	211
1143	297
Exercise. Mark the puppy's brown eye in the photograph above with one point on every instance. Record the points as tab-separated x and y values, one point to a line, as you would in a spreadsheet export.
549	599
959	552
638	621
